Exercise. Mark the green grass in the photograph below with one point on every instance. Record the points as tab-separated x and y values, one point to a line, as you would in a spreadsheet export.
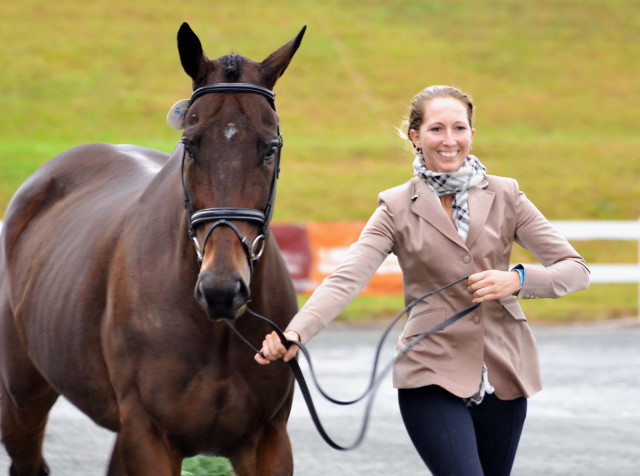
555	82
206	466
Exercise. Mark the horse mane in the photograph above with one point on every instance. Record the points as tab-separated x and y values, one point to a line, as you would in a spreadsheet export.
232	67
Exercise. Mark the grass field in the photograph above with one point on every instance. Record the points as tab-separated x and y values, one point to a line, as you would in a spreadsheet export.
555	82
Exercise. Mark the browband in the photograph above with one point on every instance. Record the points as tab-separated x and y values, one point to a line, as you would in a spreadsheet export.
234	88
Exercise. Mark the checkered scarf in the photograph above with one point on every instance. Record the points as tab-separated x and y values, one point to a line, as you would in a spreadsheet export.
470	173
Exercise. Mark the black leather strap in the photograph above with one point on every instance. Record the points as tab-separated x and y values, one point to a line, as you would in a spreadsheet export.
375	379
234	88
304	388
228	213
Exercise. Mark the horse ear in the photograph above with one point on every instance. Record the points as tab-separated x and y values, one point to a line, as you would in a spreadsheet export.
274	65
193	59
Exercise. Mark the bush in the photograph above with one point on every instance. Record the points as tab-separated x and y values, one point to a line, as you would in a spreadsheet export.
206	466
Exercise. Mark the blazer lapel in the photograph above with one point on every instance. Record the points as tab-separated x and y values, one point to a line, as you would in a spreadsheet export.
426	205
480	201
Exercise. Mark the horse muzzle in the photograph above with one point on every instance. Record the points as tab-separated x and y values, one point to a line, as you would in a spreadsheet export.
222	297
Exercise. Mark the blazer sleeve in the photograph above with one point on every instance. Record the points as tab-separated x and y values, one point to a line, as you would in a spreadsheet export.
337	290
561	270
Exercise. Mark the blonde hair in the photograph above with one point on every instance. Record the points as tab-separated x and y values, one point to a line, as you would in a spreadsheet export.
416	113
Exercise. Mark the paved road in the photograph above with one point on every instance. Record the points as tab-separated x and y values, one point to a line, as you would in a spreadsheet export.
585	422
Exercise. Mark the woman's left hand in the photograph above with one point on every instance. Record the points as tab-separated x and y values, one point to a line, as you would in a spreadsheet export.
493	284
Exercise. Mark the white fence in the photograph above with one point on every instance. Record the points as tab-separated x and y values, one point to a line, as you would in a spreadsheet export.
616	230
610	230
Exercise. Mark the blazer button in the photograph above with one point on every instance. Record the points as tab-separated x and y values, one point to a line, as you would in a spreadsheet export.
476	319
466	259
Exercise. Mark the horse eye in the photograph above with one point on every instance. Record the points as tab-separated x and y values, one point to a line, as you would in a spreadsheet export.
271	152
190	147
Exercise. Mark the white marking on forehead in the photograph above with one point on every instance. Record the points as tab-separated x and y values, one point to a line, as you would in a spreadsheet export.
230	131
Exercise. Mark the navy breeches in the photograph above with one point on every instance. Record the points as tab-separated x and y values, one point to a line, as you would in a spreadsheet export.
456	440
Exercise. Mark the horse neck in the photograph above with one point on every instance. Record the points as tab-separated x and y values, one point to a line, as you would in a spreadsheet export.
163	204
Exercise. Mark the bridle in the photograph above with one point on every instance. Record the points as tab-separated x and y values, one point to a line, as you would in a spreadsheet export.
225	216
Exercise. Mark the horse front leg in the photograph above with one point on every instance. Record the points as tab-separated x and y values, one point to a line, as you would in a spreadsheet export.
275	456
268	452
142	448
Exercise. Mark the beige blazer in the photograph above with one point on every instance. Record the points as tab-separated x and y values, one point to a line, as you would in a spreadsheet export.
411	223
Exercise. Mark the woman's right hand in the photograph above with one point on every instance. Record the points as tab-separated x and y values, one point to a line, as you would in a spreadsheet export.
273	349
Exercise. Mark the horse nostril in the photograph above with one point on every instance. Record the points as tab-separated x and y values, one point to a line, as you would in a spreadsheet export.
199	294
222	297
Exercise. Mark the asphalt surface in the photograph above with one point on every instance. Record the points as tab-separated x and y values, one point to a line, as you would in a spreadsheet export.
585	422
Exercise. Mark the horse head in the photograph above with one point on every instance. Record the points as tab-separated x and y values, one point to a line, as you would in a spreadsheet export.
230	164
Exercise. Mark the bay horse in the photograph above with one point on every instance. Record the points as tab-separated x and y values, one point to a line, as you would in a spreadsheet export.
123	270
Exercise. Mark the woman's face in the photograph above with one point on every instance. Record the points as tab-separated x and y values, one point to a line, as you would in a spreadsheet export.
445	135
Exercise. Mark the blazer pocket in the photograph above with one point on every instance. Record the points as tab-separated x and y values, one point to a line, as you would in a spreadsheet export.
510	303
423	322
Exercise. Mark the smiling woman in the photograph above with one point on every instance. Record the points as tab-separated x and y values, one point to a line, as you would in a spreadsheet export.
471	381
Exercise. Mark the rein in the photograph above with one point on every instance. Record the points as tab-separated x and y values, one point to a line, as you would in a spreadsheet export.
375	378
225	216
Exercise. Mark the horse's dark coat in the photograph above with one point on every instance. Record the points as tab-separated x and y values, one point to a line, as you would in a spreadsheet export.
97	280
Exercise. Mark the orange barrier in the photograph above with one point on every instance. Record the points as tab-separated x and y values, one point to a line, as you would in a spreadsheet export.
314	250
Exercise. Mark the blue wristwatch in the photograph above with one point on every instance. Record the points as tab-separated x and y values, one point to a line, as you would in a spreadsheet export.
520	271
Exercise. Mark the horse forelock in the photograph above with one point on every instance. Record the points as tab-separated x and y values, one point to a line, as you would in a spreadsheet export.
232	67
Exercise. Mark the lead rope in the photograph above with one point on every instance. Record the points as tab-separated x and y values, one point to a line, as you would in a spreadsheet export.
375	379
